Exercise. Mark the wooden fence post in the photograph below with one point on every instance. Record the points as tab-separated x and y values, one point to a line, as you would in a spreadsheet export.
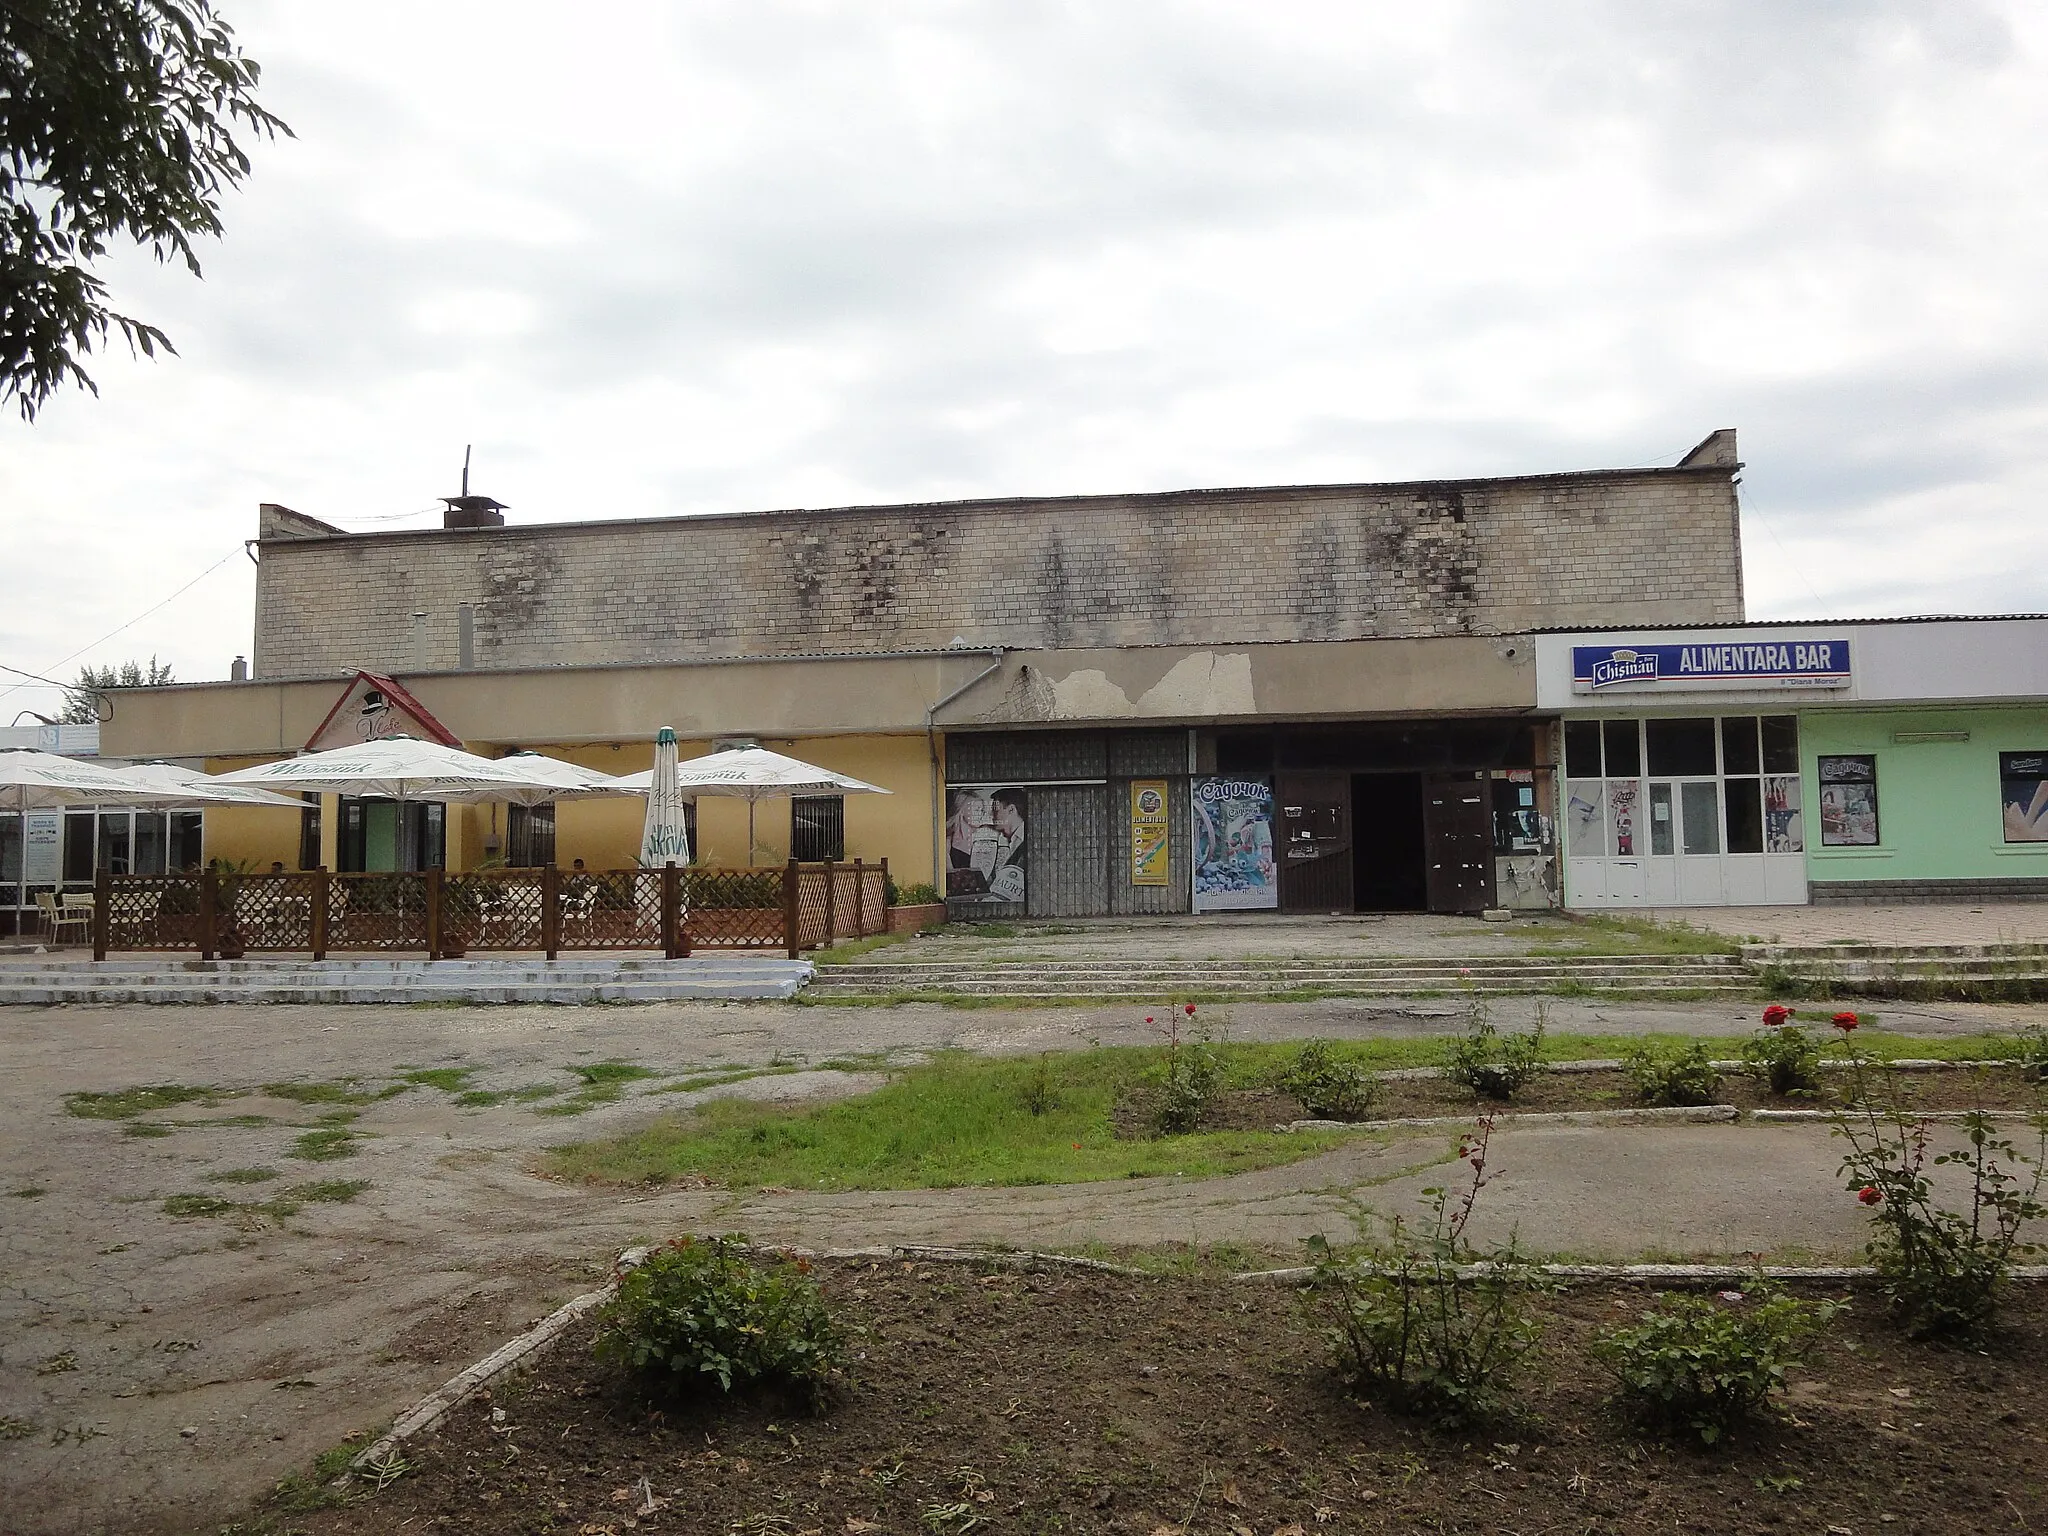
831	903
792	912
433	914
323	910
671	909
551	911
102	892
209	912
860	900
883	926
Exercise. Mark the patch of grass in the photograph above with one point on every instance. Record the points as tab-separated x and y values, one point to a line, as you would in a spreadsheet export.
603	1082
963	1120
31	1192
721	1079
242	1176
484	1098
287	1202
130	1103
957	1120
839	954
324	1145
145	1128
1626	936
447	1079
199	1205
347	1090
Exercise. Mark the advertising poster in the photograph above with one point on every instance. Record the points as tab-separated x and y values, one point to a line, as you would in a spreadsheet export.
2023	796
1782	831
985	845
1150	859
1234	869
1848	802
42	850
1622	795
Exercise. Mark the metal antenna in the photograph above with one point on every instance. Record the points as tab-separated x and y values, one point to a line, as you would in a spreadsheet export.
465	467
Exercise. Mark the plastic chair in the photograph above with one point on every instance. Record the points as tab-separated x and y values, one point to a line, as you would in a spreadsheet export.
73	912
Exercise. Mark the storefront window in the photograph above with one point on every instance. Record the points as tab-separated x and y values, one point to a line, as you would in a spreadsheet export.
530	835
1781	743
1681	748
1582	749
1848	802
1624	749
1738	745
1585	819
2023	796
1661	837
1700	805
1745	804
81	832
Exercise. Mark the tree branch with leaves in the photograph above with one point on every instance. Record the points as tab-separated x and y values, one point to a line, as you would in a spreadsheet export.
117	122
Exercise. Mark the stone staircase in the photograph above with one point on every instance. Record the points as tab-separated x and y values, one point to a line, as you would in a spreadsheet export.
1376	977
509	979
1938	969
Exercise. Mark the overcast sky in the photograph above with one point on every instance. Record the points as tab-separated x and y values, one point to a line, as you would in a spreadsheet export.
682	257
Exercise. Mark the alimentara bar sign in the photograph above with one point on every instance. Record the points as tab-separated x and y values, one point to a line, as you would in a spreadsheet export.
1720	664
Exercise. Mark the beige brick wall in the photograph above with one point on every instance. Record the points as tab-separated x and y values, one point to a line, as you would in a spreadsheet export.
1187	568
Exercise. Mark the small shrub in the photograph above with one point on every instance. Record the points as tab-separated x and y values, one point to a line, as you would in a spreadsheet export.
1040	1097
1783	1058
1687	1077
1187	1080
698	1312
1944	1271
1329	1088
1707	1363
1435	1327
1494	1065
2030	1050
922	894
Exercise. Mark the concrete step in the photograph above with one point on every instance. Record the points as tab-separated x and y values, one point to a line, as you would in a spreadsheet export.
421	981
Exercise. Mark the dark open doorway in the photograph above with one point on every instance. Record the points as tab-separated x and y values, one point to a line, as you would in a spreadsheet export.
1388	867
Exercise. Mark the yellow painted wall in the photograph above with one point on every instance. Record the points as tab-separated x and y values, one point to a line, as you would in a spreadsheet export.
257	834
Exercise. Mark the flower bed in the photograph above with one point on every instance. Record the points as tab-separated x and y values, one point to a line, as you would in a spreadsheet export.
1078	1401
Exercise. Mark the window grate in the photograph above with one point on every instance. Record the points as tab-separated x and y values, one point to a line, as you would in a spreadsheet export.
817	828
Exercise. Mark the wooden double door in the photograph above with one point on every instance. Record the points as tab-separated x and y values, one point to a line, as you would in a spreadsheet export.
1315	846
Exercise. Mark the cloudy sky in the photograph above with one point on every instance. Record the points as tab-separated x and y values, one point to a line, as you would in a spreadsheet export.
685	257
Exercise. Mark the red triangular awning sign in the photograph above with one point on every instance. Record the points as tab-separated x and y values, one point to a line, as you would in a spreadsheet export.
372	707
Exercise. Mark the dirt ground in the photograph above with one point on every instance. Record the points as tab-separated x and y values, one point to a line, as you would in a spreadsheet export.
1059	1401
157	1368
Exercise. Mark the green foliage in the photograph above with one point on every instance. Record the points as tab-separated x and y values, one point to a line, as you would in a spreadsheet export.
1707	1363
698	1312
1187	1081
2030	1050
921	894
119	124
1327	1086
1687	1076
1942	1269
1785	1059
604	1082
83	701
1495	1065
324	1145
1040	1096
129	1103
1432	1327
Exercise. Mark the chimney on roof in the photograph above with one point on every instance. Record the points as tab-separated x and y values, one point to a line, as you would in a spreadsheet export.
467	511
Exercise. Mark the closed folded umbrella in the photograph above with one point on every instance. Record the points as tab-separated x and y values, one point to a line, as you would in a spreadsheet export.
665	835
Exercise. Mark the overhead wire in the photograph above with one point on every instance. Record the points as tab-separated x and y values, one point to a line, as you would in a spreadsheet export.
103	639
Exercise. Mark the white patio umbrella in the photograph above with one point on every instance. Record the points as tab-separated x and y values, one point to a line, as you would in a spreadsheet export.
189	789
403	768
753	774
665	835
43	781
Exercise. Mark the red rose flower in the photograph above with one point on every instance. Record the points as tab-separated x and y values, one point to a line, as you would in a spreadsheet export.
1775	1015
1191	1010
1870	1194
1148	1018
1846	1022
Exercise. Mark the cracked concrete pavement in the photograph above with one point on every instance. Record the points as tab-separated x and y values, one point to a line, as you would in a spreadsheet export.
158	1371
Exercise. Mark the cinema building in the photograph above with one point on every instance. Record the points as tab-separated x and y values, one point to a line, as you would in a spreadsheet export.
1323	698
